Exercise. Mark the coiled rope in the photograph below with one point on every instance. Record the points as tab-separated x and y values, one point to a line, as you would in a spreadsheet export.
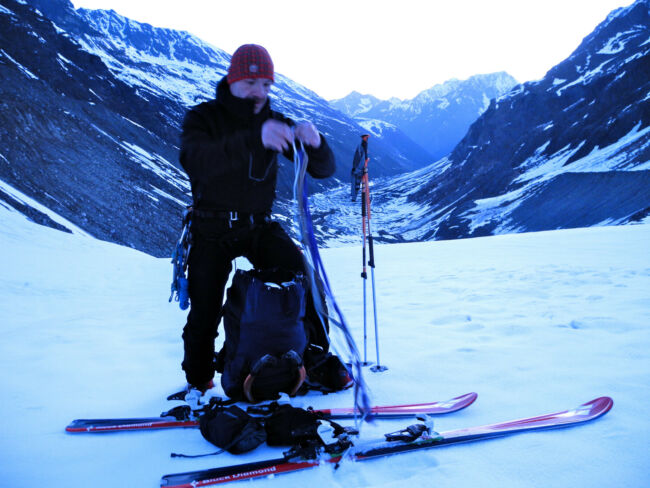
318	278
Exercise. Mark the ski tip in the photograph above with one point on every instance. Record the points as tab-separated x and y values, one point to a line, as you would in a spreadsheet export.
463	401
469	397
599	406
75	426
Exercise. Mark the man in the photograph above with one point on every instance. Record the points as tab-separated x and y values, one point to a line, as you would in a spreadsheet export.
358	165
229	149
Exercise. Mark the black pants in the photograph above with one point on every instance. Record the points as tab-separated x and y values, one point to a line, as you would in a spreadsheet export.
215	244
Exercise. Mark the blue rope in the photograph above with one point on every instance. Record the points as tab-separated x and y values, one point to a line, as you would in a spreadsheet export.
316	272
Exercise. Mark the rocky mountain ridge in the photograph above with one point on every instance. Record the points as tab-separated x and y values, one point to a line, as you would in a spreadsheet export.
92	106
569	150
91	111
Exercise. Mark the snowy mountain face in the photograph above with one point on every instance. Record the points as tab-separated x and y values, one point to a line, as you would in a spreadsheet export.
570	150
185	70
92	106
356	104
437	118
78	142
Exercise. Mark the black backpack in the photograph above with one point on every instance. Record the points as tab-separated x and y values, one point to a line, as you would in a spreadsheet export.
265	335
231	429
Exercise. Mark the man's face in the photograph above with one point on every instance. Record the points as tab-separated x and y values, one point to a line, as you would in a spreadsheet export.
256	89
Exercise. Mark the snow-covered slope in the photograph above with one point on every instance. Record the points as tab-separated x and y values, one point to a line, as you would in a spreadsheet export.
570	150
534	323
80	141
437	118
92	104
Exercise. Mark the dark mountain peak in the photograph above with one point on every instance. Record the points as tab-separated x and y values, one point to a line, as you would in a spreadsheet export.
635	13
622	30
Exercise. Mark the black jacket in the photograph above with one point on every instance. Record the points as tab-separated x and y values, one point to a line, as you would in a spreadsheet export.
223	155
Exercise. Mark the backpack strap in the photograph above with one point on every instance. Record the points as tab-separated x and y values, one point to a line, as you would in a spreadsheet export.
302	372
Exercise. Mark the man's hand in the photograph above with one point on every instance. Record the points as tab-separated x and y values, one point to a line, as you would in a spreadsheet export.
307	133
276	135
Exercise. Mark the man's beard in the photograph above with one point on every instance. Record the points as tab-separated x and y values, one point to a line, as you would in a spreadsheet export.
259	104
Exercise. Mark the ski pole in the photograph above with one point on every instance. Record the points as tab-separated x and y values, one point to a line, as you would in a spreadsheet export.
368	239
364	274
377	367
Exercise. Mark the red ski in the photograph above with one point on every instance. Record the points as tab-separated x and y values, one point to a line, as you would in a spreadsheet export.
405	411
184	417
299	460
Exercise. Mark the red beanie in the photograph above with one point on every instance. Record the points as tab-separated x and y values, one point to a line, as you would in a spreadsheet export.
250	61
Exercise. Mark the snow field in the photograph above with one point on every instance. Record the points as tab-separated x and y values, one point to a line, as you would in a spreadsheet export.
534	323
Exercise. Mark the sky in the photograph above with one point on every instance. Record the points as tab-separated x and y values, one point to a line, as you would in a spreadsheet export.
384	48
